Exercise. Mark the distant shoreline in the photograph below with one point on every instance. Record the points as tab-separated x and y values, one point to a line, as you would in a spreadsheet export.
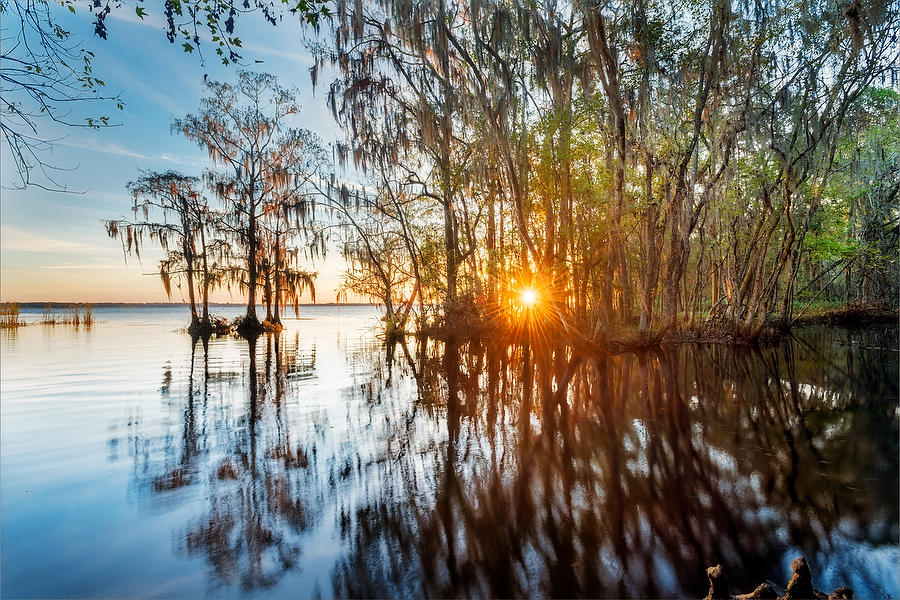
163	304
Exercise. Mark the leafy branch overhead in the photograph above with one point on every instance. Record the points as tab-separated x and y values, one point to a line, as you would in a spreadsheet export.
193	22
48	77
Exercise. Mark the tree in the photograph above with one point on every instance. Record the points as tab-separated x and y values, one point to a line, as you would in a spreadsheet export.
283	220
266	166
171	211
606	152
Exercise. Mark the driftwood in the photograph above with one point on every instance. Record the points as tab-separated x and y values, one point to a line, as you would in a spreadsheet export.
800	586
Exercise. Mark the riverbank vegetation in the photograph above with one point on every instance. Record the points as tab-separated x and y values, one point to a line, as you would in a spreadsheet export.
9	315
633	169
600	174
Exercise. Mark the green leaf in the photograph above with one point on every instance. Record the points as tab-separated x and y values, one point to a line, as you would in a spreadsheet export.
72	9
139	10
187	47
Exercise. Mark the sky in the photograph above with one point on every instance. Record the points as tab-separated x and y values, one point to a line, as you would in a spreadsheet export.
53	246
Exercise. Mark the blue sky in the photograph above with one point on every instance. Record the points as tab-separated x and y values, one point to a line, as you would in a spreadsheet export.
53	246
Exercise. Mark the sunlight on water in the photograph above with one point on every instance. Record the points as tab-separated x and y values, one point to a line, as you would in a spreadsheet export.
319	462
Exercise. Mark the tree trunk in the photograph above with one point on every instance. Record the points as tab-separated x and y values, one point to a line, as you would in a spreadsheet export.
188	252
251	267
651	215
277	281
267	289
205	258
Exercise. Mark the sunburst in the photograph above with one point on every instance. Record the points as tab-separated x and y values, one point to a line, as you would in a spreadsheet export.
528	297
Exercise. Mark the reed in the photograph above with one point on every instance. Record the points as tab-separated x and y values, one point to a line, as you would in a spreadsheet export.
47	317
9	315
72	317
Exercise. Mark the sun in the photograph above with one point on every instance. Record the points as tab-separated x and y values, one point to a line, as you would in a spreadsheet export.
528	297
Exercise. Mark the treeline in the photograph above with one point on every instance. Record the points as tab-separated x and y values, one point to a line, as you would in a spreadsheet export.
642	166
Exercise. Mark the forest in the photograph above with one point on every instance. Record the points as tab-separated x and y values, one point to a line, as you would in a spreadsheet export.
600	173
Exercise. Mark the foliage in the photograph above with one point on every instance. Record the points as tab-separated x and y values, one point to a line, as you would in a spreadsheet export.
9	315
47	75
652	165
263	176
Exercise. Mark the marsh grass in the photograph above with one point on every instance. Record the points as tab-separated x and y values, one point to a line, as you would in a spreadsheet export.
74	317
9	315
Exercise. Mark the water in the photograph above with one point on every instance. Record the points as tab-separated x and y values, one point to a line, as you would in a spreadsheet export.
321	463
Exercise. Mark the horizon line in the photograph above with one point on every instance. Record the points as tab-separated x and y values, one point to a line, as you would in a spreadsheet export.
61	303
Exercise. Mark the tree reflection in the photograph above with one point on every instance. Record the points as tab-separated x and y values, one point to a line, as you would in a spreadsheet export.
241	459
489	470
628	475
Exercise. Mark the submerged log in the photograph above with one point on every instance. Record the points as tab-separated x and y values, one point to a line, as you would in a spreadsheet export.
718	583
800	586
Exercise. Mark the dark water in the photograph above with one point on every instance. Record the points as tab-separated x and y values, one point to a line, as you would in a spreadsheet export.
321	463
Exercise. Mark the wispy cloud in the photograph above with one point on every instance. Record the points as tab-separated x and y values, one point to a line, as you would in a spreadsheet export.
150	19
179	159
20	240
90	267
89	144
108	148
305	59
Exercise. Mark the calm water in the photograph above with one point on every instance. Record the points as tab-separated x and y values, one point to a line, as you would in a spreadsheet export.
320	463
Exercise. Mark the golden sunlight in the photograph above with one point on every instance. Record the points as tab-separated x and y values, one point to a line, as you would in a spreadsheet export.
528	297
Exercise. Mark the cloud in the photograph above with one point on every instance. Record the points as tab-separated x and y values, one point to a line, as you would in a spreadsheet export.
297	57
92	267
118	150
150	19
96	146
14	239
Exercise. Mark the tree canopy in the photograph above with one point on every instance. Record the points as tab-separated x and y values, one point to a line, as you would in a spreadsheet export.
643	165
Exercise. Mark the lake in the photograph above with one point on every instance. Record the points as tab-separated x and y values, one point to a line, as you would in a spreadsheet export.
135	462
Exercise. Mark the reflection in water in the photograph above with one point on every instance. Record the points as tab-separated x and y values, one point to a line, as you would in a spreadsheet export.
503	471
257	510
